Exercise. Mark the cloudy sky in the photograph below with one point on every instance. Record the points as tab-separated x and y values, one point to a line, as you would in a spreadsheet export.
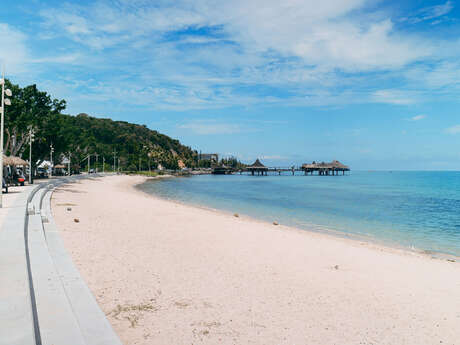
375	84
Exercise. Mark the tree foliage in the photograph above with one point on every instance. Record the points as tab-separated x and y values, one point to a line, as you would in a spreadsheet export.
29	109
232	162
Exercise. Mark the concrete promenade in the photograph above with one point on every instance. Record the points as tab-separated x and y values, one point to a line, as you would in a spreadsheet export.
43	299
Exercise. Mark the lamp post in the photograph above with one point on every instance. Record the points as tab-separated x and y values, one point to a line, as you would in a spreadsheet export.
103	164
51	158
97	161
5	101
146	148
150	164
70	155
31	139
114	155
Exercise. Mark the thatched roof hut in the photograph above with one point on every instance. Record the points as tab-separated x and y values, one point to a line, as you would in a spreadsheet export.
323	168
309	166
339	166
335	165
257	165
14	160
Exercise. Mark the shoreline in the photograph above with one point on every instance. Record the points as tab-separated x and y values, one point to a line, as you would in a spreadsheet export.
165	272
370	241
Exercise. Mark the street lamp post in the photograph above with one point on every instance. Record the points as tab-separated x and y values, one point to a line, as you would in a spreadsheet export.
103	164
89	162
114	155
5	101
68	166
51	158
31	139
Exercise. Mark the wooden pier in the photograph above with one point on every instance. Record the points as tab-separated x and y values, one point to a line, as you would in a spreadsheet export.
333	168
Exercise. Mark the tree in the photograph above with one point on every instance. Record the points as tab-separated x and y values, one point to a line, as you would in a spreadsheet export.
31	108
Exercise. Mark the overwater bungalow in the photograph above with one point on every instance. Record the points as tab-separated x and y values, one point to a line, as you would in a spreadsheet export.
257	167
332	168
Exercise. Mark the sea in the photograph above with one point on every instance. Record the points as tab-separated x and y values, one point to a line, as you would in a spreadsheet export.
416	210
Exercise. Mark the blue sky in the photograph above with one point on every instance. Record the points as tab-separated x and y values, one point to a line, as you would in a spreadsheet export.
375	84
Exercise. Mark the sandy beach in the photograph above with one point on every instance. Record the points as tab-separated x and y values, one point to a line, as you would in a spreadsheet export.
167	273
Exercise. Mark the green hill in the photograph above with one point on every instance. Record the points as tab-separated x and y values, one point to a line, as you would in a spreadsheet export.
84	135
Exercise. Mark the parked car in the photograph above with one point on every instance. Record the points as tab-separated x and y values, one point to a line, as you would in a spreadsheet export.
41	173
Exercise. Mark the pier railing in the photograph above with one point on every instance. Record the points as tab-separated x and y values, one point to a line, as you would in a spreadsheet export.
321	171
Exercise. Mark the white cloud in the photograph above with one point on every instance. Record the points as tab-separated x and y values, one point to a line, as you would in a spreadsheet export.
438	10
441	75
318	33
203	127
274	157
397	97
431	12
13	53
204	54
418	117
61	59
453	130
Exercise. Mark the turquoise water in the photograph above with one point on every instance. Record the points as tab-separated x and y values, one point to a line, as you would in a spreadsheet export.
410	209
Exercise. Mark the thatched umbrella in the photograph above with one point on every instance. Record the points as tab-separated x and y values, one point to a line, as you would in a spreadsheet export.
7	160
14	160
20	161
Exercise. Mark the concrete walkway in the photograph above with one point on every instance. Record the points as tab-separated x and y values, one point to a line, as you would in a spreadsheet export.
43	299
16	322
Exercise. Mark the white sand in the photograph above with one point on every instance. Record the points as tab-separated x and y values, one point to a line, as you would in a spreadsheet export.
166	273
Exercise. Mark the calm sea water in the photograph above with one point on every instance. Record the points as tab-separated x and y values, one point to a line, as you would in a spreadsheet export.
411	209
